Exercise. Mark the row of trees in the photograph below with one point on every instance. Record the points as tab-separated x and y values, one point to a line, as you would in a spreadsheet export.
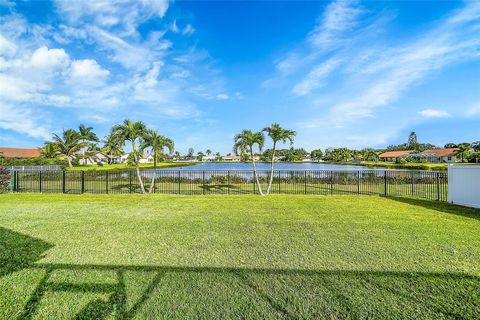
245	142
83	143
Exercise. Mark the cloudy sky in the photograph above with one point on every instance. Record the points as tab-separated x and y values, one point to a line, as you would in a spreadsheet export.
340	73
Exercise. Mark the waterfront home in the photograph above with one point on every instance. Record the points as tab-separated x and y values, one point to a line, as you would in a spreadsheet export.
392	155
231	158
19	153
448	155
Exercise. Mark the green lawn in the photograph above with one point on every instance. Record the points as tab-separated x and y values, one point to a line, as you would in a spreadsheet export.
121	166
220	257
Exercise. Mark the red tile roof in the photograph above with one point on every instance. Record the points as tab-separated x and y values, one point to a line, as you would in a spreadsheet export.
395	154
449	152
19	153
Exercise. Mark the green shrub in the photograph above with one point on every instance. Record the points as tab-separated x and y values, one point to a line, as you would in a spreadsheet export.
4	180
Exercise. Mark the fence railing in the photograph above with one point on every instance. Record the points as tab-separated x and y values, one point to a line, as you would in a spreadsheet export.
423	184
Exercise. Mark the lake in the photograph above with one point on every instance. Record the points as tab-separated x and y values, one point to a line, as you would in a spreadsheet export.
266	166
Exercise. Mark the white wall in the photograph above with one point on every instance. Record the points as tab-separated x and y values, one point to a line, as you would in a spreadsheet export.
464	185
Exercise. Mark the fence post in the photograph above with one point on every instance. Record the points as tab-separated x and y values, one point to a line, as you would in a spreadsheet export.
83	182
438	186
40	180
106	181
130	181
331	182
228	182
279	183
179	182
358	182
64	180
305	182
13	183
203	181
413	183
385	182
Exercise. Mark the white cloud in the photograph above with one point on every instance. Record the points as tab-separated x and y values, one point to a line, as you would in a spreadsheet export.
7	48
88	69
22	120
313	79
222	96
125	15
188	30
44	58
473	111
340	16
434	113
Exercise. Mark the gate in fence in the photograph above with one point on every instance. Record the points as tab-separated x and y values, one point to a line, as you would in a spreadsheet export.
423	184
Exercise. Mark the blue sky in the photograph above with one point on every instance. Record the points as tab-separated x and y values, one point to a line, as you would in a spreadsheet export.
340	73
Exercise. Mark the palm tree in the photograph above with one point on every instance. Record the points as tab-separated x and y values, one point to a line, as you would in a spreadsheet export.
208	152
113	147
133	132
157	143
49	150
462	150
88	136
66	145
277	133
190	153
244	142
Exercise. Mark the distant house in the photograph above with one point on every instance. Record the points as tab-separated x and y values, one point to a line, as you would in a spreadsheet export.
392	155
439	155
209	158
231	158
19	153
147	158
96	158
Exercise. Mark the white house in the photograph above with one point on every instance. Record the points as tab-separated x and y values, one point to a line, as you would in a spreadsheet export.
96	158
147	158
209	158
231	158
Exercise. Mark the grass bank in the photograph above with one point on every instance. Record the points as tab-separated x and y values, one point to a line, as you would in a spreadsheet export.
124	166
391	165
215	257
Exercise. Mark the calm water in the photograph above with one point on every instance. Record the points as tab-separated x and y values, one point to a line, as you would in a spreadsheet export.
266	166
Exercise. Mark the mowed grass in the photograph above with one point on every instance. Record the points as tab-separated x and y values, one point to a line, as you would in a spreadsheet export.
246	256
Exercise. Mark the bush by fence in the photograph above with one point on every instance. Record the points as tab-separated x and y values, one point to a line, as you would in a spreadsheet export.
429	185
4	180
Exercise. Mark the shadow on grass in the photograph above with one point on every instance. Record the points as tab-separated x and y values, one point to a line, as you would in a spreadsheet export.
92	291
224	188
441	206
18	251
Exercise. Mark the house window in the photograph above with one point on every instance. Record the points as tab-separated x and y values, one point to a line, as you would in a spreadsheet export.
449	158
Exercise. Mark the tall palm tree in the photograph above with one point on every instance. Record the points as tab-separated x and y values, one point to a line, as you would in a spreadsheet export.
88	136
133	132
157	143
113	147
277	133
245	142
68	144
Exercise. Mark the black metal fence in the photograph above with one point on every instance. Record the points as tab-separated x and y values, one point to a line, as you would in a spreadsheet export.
423	184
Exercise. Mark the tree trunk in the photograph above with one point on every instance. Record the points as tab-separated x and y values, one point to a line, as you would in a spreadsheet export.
271	168
69	162
255	173
154	172
137	167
